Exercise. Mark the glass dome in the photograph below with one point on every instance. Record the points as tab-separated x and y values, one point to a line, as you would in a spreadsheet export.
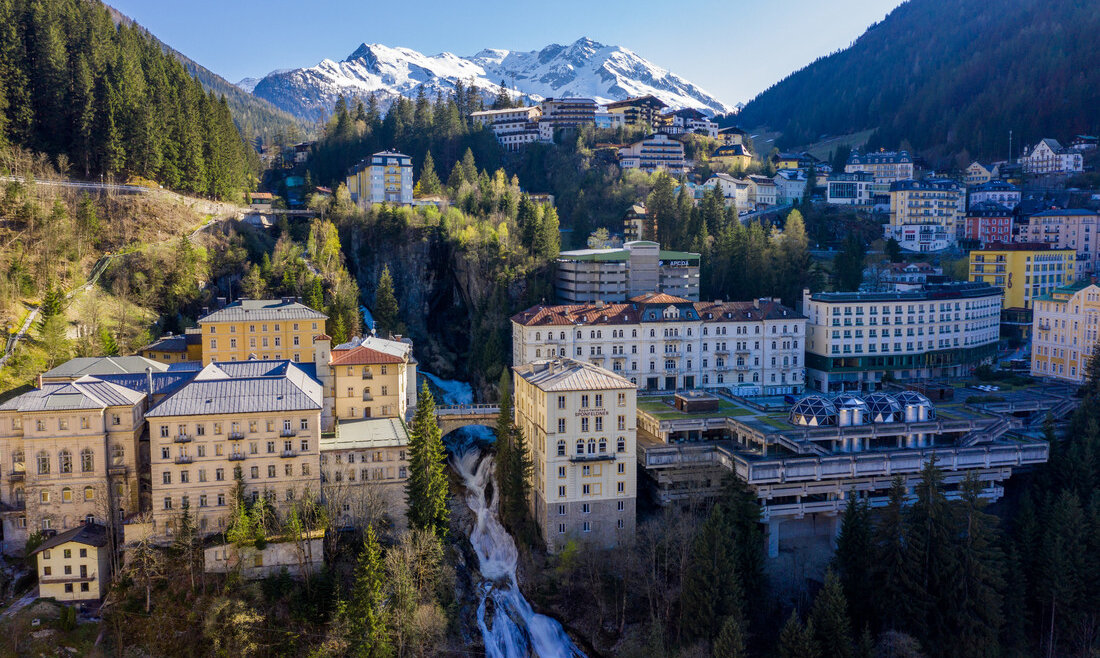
849	401
913	398
884	408
813	410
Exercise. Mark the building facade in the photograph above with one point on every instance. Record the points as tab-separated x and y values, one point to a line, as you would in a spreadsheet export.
790	186
653	153
735	191
1070	229
641	110
364	468
855	189
266	329
568	112
387	177
514	128
1024	271
854	339
734	156
75	565
1050	157
988	222
1066	331
885	166
978	173
580	421
659	342
925	214
615	275
1005	194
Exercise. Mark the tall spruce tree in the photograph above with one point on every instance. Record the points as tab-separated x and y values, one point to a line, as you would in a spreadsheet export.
853	546
385	302
513	462
427	484
796	640
976	605
890	559
730	642
429	183
831	625
364	613
931	570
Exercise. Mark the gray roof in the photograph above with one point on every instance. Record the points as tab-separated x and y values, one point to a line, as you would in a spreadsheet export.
263	309
367	433
243	387
102	365
91	534
167	344
570	375
85	393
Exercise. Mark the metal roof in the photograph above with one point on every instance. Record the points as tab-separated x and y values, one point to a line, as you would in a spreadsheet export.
102	365
85	393
263	309
570	375
367	433
253	387
90	534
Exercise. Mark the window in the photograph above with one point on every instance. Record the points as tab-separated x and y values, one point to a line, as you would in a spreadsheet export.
561	448
43	463
167	502
561	492
66	495
561	425
219	474
87	461
304	424
561	402
89	493
65	462
271	471
166	477
184	477
587	526
254	472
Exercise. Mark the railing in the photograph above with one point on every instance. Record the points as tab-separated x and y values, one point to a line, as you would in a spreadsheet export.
468	410
236	456
236	436
288	453
367	397
288	433
368	375
607	456
184	459
17	475
182	438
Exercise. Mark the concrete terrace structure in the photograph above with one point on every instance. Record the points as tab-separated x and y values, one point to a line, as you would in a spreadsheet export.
804	462
579	420
386	177
660	342
652	153
1066	331
925	214
615	275
639	110
885	166
568	112
854	339
261	328
514	127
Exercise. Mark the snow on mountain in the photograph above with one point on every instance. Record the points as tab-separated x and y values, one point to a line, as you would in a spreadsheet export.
247	84
582	69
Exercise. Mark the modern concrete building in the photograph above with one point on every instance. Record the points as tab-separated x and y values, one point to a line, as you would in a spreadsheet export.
514	127
1066	331
75	565
854	339
615	275
925	214
854	189
386	177
659	342
885	166
579	420
568	112
266	329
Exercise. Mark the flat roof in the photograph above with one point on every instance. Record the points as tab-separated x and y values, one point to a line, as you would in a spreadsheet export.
366	433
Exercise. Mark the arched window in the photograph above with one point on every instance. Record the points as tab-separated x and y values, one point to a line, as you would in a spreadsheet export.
603	446
620	445
538	353
633	333
561	448
591	446
66	495
89	493
580	447
652	333
755	377
538	335
43	463
87	460
65	462
18	457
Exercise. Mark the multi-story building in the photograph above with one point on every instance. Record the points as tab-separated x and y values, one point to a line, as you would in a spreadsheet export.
253	424
988	222
370	383
660	342
787	161
609	120
387	177
568	112
1075	229
689	120
580	421
639	110
790	186
1025	272
762	191
855	189
854	339
734	156
266	329
615	275
1006	194
1066	331
167	348
652	153
979	173
514	127
639	224
925	214
364	468
886	166
1050	157
734	190
72	450
75	565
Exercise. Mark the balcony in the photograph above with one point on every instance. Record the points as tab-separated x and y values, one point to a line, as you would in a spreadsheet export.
117	469
368	375
236	436
288	433
17	476
367	397
596	457
181	438
184	459
287	454
236	456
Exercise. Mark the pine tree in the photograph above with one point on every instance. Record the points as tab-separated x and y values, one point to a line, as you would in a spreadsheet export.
829	615
853	546
429	182
730	642
315	296
796	640
513	461
890	559
365	612
385	302
931	567
427	484
977	605
469	167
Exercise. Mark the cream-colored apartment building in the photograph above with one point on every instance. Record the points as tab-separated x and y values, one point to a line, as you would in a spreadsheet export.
265	329
69	454
925	214
580	422
75	565
369	383
1065	333
256	420
364	467
885	166
1076	229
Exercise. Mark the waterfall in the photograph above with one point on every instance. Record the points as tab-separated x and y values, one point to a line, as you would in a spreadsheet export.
509	627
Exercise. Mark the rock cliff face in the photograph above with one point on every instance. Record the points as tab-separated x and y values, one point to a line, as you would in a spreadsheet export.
455	302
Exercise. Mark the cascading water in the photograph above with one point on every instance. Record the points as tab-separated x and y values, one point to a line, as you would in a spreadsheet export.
509	627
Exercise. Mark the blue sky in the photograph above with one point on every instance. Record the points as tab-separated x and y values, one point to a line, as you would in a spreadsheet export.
733	49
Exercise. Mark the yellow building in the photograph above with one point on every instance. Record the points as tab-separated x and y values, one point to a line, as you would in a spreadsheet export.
1025	271
734	156
580	422
925	214
166	349
369	383
786	160
71	455
1066	330
259	421
75	565
266	329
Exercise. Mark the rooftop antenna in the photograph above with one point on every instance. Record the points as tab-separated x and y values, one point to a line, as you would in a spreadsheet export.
1010	146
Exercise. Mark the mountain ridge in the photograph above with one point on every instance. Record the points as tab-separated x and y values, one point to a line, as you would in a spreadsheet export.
584	68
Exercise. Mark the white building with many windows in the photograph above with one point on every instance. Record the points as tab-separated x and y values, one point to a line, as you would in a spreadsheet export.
1050	157
580	421
514	127
660	342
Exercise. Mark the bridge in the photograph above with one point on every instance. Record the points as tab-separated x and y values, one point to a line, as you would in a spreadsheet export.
454	417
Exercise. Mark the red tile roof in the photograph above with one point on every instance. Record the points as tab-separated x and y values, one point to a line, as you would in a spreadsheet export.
658	298
361	356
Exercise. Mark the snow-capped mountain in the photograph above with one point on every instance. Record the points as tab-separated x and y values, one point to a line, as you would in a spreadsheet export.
582	69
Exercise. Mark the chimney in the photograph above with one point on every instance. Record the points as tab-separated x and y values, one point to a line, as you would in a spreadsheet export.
756	303
149	380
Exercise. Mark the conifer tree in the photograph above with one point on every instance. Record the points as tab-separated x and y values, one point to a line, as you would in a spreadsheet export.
364	612
931	566
315	296
427	484
796	640
851	562
890	559
730	642
977	611
385	302
429	182
513	461
832	629
469	167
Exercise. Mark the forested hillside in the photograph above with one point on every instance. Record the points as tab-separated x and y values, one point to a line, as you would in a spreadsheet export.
950	76
106	100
